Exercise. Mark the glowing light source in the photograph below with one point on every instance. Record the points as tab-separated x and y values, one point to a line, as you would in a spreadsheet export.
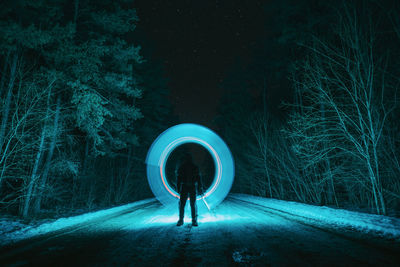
180	134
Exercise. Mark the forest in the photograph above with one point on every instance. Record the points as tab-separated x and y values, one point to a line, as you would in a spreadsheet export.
312	115
334	139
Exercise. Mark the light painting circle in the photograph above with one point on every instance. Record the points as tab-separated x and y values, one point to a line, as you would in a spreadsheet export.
180	134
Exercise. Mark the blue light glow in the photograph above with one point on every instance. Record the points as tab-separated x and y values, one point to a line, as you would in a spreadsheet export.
180	134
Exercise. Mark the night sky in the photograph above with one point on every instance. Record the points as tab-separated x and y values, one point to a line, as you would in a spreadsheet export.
198	42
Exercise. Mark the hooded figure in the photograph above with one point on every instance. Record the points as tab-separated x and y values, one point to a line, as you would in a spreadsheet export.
188	184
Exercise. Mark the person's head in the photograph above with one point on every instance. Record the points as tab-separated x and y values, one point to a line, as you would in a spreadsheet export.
186	157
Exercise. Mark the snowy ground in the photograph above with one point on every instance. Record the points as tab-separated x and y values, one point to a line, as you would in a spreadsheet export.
12	231
243	230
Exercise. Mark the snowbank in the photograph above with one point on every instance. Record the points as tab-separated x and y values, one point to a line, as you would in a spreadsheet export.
380	225
7	235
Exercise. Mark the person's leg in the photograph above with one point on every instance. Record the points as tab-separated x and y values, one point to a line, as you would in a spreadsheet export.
193	205
182	202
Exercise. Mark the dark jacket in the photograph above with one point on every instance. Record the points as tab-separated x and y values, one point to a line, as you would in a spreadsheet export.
189	177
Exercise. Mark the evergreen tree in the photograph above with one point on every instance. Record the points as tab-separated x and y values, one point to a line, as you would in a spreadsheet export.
72	74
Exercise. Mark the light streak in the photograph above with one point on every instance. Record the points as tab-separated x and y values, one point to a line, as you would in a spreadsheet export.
175	136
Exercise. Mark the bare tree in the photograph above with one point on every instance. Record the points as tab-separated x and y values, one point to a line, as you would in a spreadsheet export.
33	181
43	179
343	85
17	158
276	171
260	128
7	101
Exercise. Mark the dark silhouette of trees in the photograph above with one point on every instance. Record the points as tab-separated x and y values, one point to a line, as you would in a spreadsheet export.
74	88
330	143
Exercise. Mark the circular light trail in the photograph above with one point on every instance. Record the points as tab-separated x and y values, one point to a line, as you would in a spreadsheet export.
180	134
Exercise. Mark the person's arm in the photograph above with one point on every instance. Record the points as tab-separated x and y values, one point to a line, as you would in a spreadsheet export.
199	182
179	181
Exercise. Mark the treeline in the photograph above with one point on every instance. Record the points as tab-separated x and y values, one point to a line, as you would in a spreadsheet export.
335	141
79	106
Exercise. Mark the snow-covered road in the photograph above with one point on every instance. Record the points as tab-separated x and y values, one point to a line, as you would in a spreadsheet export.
243	231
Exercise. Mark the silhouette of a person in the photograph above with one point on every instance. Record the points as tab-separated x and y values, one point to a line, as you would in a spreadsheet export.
188	184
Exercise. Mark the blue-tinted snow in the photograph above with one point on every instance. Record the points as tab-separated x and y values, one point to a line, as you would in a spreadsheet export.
329	217
26	231
224	215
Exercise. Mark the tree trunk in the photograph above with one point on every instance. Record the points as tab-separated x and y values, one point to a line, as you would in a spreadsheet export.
43	180
265	138
3	74
331	193
7	104
34	175
32	181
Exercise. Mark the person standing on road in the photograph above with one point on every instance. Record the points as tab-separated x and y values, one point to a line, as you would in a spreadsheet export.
188	185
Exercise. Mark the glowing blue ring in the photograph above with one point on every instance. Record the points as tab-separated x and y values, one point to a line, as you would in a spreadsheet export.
166	142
